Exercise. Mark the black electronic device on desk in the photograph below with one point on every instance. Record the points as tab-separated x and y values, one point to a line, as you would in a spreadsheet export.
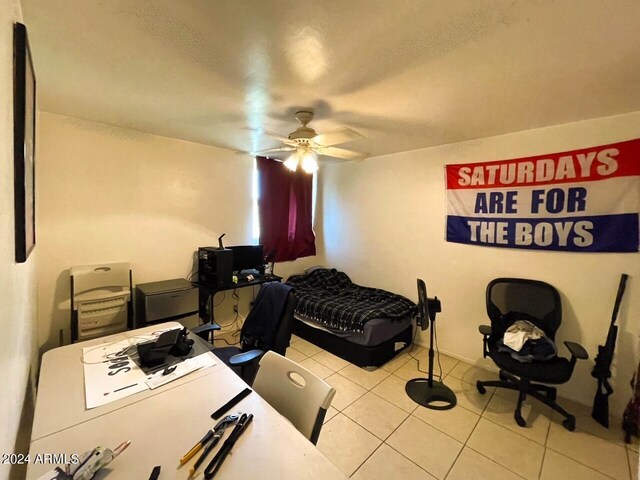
215	265
248	257
207	291
227	268
172	342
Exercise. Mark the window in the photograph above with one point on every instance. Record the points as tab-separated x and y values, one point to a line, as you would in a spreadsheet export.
285	208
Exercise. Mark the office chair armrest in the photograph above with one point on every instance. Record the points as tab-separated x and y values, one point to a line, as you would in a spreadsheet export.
203	330
485	330
245	358
205	327
577	350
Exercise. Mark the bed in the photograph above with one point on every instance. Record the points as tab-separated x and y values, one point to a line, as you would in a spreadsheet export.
365	326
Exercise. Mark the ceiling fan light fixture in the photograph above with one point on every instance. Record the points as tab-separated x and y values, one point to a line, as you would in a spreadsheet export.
292	162
309	163
305	144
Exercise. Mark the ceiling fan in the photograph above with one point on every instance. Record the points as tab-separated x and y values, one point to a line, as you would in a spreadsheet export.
305	144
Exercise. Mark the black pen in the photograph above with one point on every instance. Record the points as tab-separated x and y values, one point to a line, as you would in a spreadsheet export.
219	458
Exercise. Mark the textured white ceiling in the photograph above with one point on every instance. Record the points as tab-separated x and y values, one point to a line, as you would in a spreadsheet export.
405	74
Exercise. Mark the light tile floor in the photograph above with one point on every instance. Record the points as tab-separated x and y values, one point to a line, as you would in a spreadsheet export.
375	431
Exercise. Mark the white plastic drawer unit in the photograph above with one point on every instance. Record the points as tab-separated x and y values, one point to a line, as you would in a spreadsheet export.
168	299
100	296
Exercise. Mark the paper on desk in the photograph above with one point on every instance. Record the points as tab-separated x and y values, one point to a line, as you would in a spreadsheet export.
182	369
109	374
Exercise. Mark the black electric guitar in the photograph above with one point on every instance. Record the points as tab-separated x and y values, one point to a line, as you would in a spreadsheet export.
631	416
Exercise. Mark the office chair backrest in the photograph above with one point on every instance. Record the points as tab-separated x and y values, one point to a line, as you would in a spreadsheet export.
283	334
269	323
295	392
511	299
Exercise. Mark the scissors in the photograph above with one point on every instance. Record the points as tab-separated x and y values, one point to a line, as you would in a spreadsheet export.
218	432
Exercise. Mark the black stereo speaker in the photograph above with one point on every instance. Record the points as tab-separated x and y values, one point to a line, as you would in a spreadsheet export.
215	266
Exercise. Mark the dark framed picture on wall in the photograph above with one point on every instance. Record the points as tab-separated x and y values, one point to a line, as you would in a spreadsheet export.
24	125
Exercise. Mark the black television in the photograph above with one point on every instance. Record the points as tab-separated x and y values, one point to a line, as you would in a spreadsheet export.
247	257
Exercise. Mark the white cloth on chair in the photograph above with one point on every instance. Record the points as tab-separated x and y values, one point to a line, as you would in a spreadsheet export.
519	333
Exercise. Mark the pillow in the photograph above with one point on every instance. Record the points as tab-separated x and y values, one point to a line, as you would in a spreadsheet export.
312	268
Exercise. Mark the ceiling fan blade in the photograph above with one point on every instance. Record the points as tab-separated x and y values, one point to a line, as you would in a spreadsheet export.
274	150
277	136
341	153
284	140
336	137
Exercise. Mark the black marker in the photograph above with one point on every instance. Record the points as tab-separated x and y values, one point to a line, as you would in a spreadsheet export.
230	404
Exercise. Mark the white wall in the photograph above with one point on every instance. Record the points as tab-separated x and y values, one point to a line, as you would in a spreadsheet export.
109	194
17	281
384	225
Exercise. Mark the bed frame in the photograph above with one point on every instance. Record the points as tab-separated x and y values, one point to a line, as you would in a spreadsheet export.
360	355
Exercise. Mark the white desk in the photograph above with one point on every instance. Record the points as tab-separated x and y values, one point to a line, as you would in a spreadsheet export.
163	424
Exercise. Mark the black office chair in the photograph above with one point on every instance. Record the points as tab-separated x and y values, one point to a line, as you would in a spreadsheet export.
512	299
267	327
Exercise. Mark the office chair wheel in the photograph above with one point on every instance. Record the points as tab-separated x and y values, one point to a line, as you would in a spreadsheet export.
480	387
519	420
569	423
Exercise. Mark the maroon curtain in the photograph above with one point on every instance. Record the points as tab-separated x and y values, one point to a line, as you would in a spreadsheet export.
284	207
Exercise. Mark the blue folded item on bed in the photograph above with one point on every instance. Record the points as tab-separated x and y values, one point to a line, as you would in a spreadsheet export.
330	298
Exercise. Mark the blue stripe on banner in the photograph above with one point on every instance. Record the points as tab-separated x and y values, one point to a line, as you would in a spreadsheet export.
602	233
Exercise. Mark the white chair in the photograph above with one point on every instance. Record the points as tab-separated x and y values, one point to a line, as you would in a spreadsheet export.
295	392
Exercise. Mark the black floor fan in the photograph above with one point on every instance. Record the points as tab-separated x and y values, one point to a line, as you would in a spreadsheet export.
428	392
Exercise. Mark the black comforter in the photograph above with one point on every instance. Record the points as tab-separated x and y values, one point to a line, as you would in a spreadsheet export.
330	298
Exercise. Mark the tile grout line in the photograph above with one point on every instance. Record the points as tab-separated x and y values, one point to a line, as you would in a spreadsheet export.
493	461
580	463
543	445
464	444
457	456
629	463
410	461
368	456
410	414
400	453
384	442
442	431
544	455
354	401
382	398
546	438
361	426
